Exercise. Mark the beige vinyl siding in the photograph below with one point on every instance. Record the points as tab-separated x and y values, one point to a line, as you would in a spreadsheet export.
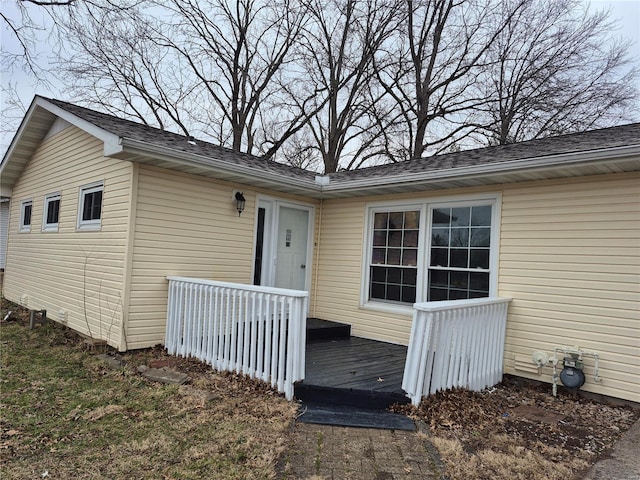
187	226
337	296
75	275
4	231
340	254
570	258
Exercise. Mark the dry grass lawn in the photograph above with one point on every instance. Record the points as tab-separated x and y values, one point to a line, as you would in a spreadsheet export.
66	414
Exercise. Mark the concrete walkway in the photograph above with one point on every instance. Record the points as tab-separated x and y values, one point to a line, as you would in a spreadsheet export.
324	452
624	461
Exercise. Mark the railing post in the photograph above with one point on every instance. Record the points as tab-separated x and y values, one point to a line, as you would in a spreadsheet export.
455	344
253	330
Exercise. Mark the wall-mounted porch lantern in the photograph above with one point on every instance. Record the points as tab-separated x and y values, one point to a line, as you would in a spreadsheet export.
240	201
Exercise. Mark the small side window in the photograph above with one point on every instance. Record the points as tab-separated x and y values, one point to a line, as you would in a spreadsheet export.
51	214
26	208
90	207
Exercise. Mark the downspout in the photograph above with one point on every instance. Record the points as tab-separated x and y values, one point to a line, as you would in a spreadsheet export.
317	259
321	181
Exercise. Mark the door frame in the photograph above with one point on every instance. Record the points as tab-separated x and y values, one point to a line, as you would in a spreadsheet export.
270	231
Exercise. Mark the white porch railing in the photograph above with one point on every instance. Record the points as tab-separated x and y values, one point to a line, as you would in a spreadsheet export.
253	330
455	344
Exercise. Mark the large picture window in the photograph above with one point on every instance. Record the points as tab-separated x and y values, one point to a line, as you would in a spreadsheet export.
90	207
430	252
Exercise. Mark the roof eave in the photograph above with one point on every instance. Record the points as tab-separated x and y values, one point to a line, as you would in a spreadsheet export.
275	180
486	171
14	161
111	141
7	179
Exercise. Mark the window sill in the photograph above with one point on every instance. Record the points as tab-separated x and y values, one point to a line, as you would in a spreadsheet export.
388	308
89	227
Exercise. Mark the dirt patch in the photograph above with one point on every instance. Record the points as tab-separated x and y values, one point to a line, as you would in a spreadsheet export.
532	413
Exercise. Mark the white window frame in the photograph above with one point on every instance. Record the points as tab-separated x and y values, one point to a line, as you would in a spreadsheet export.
93	224
51	197
492	252
25	228
425	206
372	209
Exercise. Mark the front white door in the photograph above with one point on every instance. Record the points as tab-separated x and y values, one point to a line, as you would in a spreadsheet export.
291	248
282	245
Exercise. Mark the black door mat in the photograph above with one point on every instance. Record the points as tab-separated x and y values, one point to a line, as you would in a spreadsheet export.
343	416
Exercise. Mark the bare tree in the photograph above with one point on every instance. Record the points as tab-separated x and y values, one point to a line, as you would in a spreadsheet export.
212	67
237	51
29	22
336	53
117	64
442	46
13	110
26	25
555	71
344	83
299	152
23	27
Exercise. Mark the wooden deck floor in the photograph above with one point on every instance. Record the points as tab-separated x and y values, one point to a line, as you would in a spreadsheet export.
356	364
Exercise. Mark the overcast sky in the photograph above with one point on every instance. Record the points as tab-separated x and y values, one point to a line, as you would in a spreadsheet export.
626	12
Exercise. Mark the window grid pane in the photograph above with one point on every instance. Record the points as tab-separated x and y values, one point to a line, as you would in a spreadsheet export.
26	211
96	212
459	253
395	284
52	211
456	285
394	256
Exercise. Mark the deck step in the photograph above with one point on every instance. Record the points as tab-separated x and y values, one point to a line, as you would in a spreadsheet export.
325	330
350	397
342	416
349	372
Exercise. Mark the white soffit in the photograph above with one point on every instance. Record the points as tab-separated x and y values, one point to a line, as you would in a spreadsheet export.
41	118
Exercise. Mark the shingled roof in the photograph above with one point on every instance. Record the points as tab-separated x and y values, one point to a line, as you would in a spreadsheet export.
180	143
608	150
606	138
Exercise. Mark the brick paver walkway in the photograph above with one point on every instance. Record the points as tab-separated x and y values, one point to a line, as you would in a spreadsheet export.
322	452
